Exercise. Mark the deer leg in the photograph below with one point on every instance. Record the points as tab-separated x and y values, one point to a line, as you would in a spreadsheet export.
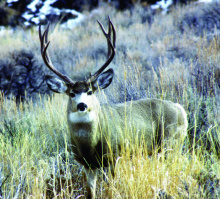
91	182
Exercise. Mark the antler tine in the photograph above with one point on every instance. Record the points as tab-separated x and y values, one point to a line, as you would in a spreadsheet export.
44	45
111	48
109	36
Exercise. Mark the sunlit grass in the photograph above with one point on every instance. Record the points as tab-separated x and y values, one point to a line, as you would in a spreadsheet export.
36	161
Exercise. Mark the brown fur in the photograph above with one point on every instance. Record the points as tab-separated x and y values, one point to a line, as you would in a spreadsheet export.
96	143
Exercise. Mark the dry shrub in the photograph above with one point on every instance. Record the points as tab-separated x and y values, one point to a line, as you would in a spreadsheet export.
201	19
21	77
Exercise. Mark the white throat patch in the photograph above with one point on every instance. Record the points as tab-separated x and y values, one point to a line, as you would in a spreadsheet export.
82	117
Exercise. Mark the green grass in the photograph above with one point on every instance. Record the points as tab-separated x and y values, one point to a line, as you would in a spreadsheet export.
152	60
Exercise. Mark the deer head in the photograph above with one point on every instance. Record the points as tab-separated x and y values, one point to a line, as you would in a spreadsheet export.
81	92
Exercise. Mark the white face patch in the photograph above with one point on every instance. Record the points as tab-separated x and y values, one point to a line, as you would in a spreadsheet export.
82	98
87	115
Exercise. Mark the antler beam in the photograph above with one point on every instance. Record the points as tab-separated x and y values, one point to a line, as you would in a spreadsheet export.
111	35
111	48
44	46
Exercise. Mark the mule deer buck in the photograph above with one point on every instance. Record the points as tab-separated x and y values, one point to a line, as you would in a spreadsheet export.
97	131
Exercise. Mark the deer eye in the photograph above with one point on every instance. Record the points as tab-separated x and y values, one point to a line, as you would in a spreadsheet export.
89	93
72	94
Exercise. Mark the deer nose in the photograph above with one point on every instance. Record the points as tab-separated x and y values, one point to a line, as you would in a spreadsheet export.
82	107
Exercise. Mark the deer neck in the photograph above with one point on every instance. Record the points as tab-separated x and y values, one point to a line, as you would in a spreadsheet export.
83	126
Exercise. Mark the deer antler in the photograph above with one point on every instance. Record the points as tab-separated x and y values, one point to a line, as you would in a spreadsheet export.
111	48
111	52
44	45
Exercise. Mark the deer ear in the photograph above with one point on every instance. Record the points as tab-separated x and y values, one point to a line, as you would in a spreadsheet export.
55	84
104	79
